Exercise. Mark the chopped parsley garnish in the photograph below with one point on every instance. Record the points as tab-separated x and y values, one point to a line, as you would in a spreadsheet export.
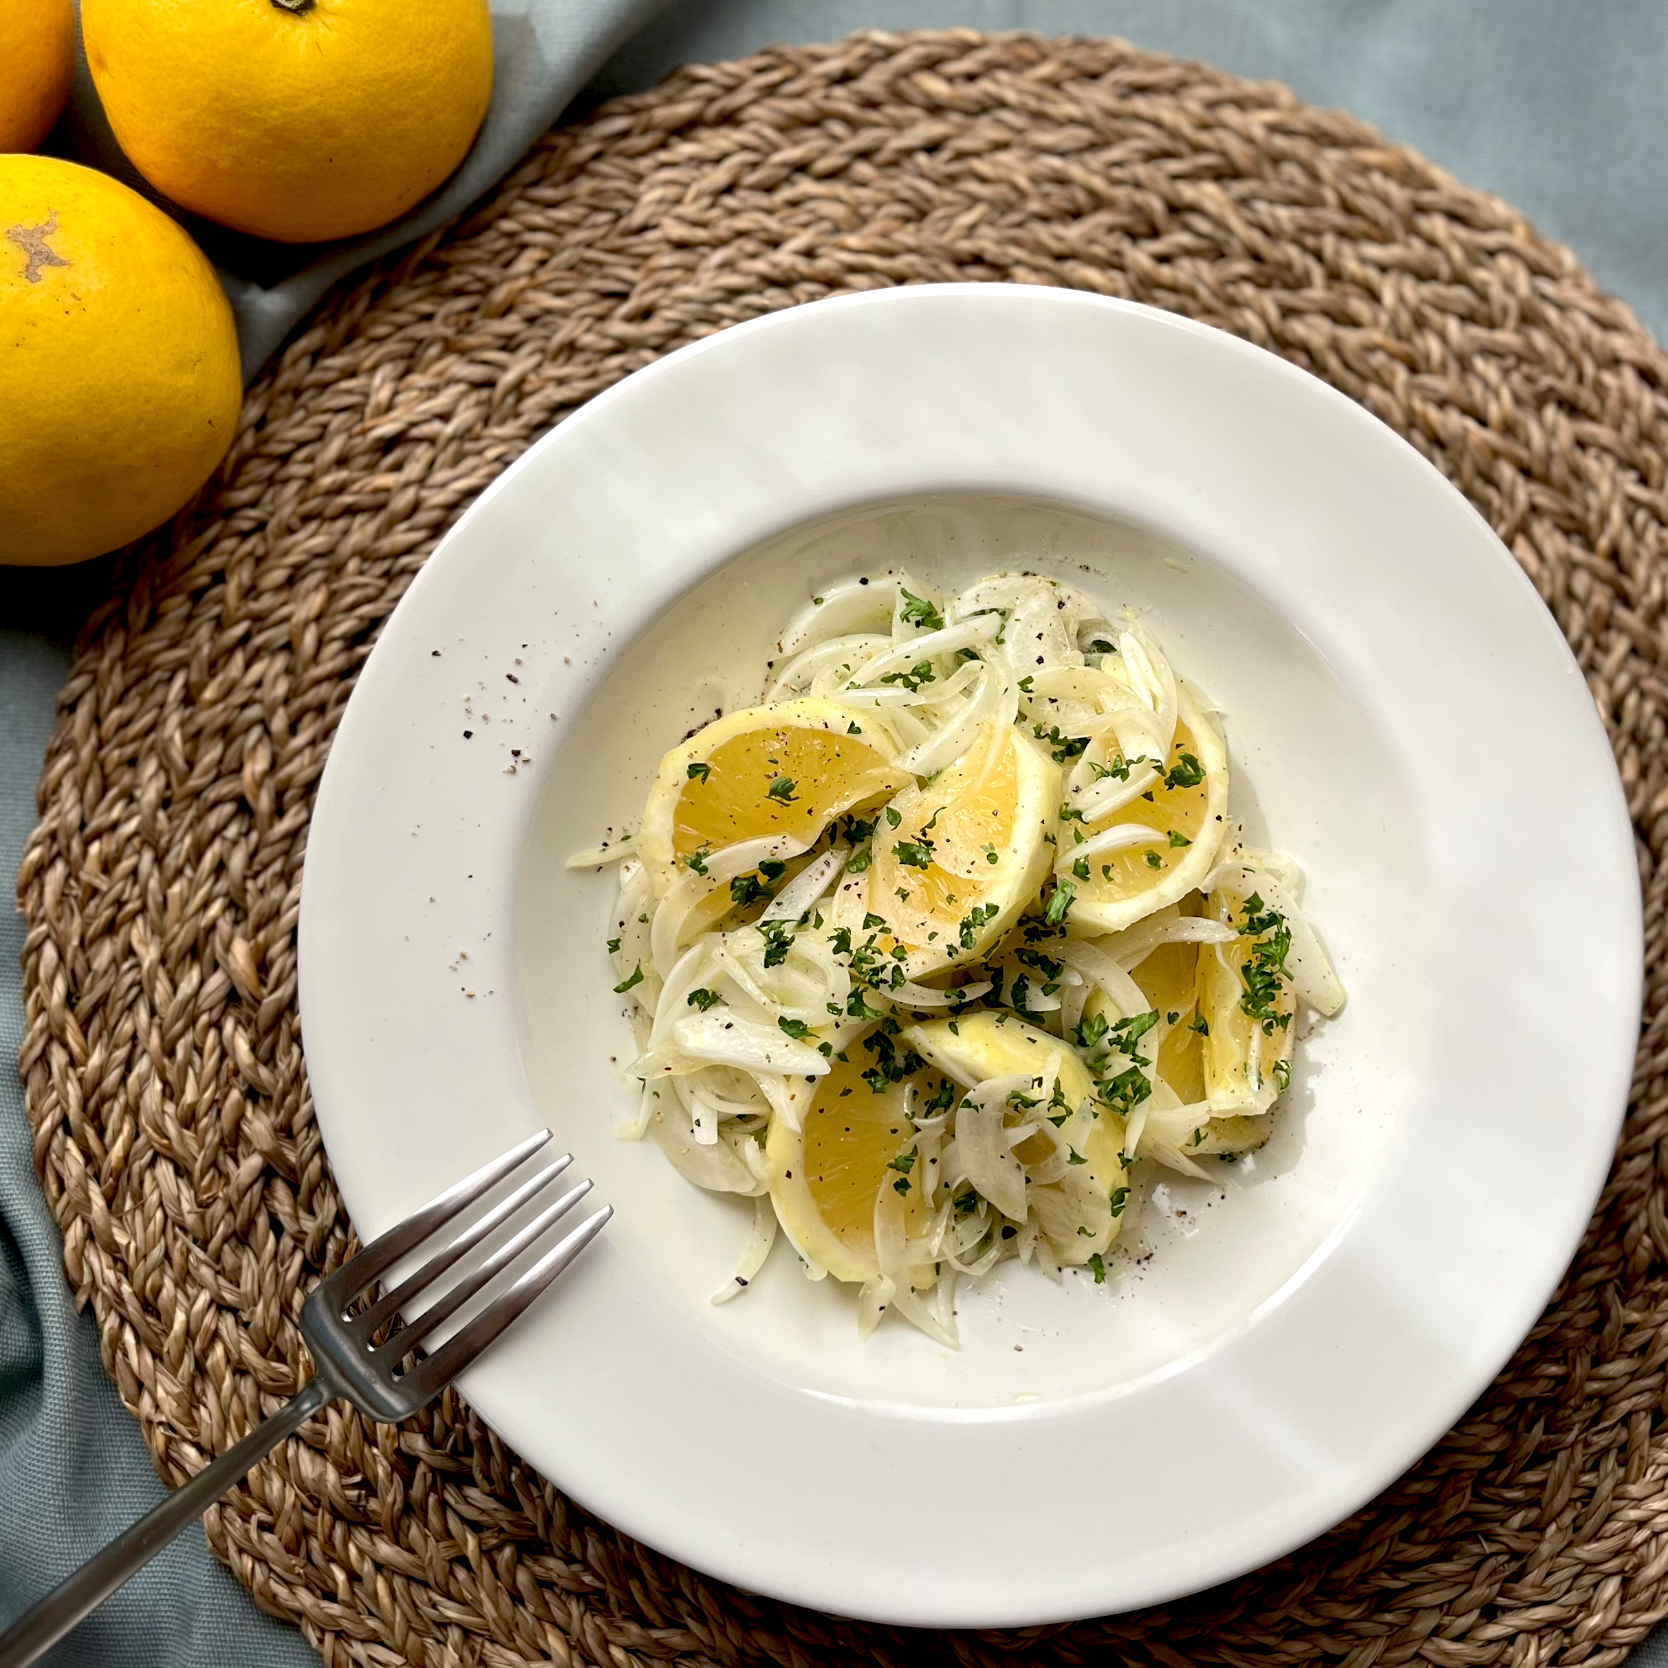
1081	868
747	889
1283	1074
871	923
1091	1030
1154	861
1126	1091
921	611
974	921
1200	1024
613	946
916	853
1126	1033
1177	838
635	978
1186	772
857	1008
778	937
1097	1266
1263	972
703	998
860	860
1025	685
699	772
921	672
1062	747
990	854
854	728
781	790
698	860
1060	903
903	1163
795	1028
1120	1198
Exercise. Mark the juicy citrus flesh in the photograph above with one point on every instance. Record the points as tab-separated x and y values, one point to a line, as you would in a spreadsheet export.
120	383
1243	1050
976	1047
1182	814
828	1178
966	855
816	775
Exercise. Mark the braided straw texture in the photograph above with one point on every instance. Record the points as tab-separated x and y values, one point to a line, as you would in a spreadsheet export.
173	1126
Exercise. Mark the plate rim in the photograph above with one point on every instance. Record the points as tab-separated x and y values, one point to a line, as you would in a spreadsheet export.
323	1027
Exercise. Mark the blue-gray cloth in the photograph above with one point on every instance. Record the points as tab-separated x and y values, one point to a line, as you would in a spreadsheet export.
1556	107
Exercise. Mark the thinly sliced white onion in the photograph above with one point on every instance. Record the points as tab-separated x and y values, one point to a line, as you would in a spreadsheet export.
717	1167
850	605
830	660
599	857
794	901
1111	794
911	995
1132	946
714	1038
1094	963
687	974
928	646
754	1253
1120	837
982	1147
1150	677
960	730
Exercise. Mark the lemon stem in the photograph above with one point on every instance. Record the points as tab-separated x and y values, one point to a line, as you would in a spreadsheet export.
296	8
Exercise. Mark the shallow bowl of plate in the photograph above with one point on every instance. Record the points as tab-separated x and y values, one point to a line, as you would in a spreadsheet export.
1415	730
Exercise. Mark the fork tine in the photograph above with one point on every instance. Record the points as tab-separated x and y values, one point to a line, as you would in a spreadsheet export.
370	1319
382	1253
409	1337
434	1374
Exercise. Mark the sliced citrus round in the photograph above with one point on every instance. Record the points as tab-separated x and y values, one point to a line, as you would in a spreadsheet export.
1161	844
1245	996
1080	1213
766	772
1170	977
826	1176
956	861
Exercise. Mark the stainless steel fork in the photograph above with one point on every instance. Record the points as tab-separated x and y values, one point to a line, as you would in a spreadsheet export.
374	1377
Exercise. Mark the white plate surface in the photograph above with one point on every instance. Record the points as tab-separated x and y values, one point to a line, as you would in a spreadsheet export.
1406	721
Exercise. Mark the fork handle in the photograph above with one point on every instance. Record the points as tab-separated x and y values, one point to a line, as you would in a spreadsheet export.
40	1628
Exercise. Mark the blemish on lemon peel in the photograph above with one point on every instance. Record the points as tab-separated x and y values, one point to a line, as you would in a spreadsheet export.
32	241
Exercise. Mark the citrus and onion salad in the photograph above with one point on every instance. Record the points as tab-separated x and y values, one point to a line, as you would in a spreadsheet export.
939	950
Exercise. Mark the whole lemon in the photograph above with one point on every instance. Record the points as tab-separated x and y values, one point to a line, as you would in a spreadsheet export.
292	119
119	376
37	64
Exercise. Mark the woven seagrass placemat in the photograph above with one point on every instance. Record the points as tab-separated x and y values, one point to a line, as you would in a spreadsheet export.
163	1064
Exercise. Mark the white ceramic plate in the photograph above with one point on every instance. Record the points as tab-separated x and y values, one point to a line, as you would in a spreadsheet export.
1415	732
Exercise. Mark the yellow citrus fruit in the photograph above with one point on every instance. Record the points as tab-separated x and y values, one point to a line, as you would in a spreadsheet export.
297	120
1179	825
957	860
826	1177
1081	1213
786	770
36	68
119	376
